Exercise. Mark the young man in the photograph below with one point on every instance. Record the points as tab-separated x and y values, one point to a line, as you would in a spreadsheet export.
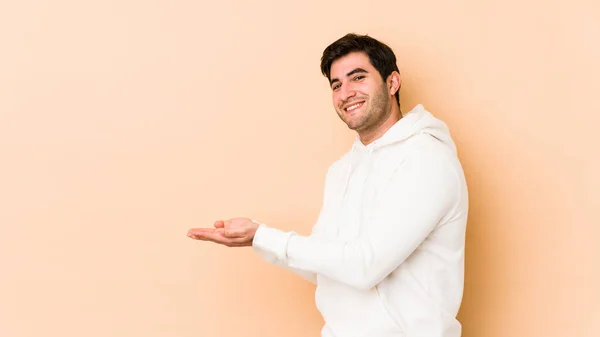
387	250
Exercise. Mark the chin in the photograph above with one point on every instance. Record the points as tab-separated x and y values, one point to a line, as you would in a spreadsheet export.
355	126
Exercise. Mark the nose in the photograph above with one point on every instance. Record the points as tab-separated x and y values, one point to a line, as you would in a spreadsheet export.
347	92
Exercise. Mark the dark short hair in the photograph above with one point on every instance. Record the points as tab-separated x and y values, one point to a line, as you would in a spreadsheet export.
380	55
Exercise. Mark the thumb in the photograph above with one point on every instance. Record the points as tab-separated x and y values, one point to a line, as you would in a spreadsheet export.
219	224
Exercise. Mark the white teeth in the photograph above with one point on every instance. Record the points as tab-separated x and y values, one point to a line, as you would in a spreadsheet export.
352	107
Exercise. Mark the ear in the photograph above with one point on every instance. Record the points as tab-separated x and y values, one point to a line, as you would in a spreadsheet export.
394	83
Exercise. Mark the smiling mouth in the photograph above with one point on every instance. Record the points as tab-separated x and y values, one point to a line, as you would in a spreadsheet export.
353	106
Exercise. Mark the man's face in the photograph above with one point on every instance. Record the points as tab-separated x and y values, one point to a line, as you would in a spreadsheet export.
360	95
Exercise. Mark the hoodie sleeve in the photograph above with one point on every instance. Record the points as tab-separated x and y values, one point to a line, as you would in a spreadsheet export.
274	260
417	198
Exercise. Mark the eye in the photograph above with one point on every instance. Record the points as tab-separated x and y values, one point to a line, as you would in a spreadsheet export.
359	77
335	87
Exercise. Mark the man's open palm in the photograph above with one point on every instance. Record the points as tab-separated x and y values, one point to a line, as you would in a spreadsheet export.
236	232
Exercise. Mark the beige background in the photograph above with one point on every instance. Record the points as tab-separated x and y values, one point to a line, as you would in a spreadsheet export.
124	123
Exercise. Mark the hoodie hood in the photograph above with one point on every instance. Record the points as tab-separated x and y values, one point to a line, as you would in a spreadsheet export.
416	121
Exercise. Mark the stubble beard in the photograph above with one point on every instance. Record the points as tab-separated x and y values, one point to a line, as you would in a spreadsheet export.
377	112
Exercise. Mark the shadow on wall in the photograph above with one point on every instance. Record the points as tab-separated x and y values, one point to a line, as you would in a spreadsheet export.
478	300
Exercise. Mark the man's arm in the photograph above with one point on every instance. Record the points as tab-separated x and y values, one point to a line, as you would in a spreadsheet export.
412	207
239	232
272	259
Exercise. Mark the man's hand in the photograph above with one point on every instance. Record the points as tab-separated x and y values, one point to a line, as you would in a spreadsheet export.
237	232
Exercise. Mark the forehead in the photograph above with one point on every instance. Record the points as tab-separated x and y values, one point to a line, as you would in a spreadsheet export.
347	63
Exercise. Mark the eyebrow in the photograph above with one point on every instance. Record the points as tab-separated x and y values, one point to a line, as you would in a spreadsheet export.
355	71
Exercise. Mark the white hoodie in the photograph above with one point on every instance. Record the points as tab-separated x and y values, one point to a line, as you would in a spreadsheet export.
387	251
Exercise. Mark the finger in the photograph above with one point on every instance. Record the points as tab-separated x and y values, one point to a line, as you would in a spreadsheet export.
200	233
201	230
229	242
213	236
198	236
219	224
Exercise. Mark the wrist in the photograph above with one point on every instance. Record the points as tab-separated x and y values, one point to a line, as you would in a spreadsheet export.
258	226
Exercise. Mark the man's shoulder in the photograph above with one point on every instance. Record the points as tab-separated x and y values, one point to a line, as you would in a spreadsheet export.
427	147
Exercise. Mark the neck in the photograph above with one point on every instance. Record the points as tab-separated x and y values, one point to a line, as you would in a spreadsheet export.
370	135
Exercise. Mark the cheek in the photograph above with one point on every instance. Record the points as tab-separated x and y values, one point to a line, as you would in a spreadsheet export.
365	89
335	99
